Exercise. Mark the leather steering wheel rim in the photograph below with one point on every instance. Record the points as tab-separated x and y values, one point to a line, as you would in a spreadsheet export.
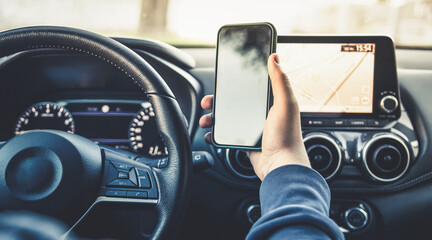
173	180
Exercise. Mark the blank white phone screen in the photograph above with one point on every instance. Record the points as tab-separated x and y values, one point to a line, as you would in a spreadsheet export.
241	95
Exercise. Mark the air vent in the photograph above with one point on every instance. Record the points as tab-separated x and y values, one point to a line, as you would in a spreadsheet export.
386	158
324	154
238	162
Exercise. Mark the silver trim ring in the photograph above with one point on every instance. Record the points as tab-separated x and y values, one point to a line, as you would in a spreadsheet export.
362	211
227	159
392	98
333	142
249	210
373	140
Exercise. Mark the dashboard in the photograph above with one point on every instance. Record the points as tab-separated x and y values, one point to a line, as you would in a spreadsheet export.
379	171
122	124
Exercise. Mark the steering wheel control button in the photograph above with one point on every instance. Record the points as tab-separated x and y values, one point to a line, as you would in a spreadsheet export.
123	175
162	163
121	183
133	176
112	173
136	194
136	182
121	166
144	180
115	193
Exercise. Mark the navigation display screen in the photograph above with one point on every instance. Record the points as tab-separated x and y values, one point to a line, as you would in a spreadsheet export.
330	77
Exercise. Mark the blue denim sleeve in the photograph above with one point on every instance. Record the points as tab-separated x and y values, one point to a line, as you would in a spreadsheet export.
295	202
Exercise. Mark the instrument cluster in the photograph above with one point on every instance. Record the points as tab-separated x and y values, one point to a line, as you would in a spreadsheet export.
125	124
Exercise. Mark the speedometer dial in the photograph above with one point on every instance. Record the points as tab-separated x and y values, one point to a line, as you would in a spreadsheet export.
144	136
45	116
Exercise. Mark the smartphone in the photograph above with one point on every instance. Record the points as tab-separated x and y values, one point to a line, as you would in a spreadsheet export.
242	95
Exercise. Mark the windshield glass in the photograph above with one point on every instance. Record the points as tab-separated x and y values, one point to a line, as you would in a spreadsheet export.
196	22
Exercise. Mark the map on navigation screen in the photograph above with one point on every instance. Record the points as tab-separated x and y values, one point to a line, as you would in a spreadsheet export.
330	77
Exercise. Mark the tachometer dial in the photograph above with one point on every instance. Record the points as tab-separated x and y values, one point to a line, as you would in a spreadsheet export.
45	116
144	136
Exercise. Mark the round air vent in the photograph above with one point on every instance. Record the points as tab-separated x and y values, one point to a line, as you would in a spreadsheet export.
324	154
386	157
238	162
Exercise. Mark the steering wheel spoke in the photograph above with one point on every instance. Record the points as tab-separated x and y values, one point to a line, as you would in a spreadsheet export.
127	181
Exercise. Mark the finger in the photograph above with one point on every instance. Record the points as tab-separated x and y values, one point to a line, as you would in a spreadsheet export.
282	90
207	102
206	121
207	138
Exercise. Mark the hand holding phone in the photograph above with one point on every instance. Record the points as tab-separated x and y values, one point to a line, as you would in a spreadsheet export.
282	141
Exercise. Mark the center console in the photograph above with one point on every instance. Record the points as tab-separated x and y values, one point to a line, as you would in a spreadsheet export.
356	131
347	89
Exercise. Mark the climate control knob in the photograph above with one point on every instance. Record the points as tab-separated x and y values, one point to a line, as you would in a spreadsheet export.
356	218
389	104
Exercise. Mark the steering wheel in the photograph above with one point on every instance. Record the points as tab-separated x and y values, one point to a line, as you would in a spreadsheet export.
66	175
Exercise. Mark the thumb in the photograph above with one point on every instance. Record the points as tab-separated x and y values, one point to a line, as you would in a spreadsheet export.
281	87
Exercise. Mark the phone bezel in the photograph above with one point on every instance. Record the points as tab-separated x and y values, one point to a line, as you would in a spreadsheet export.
269	94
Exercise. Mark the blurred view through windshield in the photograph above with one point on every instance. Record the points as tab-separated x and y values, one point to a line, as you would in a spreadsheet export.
195	22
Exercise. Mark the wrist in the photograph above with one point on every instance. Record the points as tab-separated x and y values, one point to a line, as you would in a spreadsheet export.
287	158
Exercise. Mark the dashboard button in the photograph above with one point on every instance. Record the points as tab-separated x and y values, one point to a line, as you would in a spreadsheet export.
121	183
356	218
136	194
357	122
338	122
315	122
115	193
376	123
389	104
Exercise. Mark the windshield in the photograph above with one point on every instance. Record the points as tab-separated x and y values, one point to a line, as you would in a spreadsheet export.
196	22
